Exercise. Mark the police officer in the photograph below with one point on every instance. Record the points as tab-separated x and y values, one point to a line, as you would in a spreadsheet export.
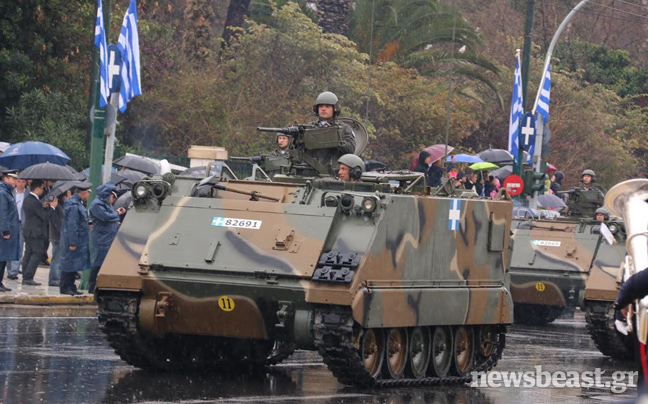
105	223
9	224
351	168
327	108
75	242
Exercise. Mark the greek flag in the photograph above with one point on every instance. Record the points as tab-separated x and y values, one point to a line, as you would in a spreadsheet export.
543	101
100	43
128	45
516	110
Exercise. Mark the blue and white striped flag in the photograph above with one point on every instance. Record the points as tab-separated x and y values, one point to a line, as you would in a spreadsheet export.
516	111
100	43
128	45
543	101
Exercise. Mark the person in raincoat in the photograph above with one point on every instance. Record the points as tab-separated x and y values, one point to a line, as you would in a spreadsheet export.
9	224
105	223
75	245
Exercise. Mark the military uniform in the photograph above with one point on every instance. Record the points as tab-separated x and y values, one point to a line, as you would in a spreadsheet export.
329	157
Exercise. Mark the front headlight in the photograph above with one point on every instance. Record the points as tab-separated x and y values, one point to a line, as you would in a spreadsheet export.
369	205
140	191
613	228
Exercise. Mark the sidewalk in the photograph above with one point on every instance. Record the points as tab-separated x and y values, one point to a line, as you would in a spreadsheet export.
40	295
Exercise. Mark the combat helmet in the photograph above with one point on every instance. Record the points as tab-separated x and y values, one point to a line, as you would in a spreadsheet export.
327	98
589	172
602	210
355	163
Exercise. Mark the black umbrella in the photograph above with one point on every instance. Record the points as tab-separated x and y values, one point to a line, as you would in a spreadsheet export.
502	172
496	156
198	171
123	201
131	176
60	187
138	163
47	171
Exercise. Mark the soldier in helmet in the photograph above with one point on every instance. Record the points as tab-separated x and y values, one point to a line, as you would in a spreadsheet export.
327	108
283	143
588	178
601	214
351	168
587	198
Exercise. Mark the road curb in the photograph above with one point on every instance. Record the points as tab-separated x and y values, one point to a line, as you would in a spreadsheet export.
43	300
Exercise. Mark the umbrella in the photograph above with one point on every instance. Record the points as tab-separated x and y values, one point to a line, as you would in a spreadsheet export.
131	176
22	155
483	166
437	151
198	171
4	146
502	173
551	168
465	158
496	156
114	177
550	201
138	163
47	171
60	187
123	201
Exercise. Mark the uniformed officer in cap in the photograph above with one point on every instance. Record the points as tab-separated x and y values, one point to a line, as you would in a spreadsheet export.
327	109
351	168
75	238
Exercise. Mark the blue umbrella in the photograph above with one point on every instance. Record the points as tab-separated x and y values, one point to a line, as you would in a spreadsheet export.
465	158
22	155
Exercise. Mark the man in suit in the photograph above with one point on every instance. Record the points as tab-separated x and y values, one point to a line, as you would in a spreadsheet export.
35	230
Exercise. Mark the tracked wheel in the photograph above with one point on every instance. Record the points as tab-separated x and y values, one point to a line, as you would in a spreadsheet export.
396	350
372	349
486	339
419	347
441	354
464	350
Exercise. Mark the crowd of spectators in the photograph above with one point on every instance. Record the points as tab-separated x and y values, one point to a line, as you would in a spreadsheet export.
33	217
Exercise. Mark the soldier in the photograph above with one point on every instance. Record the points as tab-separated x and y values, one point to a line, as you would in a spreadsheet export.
601	215
351	168
588	178
283	143
327	108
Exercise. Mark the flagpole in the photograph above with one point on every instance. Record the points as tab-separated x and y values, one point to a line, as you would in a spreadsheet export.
533	204
97	140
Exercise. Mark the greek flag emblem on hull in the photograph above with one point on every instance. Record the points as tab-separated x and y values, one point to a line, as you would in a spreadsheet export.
454	215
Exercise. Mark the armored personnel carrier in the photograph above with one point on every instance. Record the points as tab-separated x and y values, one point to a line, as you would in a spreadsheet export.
389	283
562	263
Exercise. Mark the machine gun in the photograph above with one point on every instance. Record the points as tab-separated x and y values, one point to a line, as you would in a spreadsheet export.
308	142
583	202
311	136
252	159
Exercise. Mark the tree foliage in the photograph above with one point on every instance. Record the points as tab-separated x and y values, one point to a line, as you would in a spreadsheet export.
271	75
53	118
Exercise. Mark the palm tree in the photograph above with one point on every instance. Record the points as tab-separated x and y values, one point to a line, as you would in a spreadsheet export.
422	34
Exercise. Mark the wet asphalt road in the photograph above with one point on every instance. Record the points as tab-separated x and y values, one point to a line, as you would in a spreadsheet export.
59	355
